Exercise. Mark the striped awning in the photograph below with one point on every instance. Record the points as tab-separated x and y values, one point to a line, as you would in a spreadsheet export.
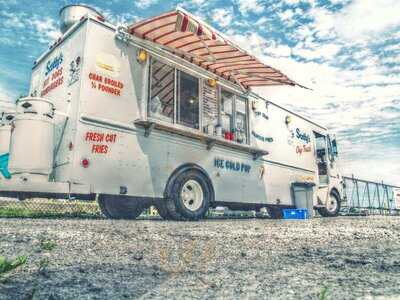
184	35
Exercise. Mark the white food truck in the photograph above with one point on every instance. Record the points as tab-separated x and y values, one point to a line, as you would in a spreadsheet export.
162	113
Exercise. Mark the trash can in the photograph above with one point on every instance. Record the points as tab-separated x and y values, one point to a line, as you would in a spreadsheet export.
303	194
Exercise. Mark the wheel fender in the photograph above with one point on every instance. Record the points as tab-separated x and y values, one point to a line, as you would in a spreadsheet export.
183	168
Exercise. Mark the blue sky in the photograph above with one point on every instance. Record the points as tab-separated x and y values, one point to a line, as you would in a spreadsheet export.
347	51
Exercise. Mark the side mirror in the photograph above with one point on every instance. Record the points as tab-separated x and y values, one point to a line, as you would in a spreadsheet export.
321	152
334	148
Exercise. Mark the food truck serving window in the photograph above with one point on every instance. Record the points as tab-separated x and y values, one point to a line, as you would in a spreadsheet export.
174	95
162	91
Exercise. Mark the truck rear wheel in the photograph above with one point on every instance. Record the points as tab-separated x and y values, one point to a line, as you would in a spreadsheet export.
332	206
189	196
120	207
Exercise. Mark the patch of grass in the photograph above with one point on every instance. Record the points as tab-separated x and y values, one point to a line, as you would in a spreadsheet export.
323	295
52	209
42	267
47	245
7	265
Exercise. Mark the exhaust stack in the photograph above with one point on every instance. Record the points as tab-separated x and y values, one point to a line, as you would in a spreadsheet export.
70	14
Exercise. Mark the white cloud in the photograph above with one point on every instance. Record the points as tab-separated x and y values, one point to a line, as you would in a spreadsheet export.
46	28
198	2
246	6
292	2
364	19
12	20
325	51
145	3
6	96
223	17
286	15
261	21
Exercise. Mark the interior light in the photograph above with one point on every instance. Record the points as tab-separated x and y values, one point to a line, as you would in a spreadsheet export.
142	56
212	82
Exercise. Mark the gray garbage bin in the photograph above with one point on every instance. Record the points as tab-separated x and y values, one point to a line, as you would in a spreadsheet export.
303	196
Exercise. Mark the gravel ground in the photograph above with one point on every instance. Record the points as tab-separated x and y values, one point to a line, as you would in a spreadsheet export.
349	257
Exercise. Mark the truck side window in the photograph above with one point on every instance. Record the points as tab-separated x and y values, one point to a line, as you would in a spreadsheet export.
188	100
162	90
234	116
241	120
227	100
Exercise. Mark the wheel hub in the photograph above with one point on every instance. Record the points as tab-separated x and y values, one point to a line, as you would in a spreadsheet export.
192	195
332	203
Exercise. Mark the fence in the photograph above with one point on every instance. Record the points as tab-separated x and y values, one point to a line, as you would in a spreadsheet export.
52	208
368	197
361	197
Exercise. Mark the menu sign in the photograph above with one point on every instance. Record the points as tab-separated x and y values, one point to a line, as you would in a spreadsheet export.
210	105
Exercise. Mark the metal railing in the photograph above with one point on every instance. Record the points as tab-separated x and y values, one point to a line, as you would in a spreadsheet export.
368	197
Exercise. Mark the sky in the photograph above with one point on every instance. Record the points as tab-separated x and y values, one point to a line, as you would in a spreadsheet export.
346	51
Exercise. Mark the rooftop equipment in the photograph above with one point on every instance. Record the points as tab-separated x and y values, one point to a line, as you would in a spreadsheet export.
70	14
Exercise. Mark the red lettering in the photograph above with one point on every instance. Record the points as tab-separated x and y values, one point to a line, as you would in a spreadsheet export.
299	150
99	149
89	136
111	138
95	77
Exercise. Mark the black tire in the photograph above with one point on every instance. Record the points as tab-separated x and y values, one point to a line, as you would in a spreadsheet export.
275	212
162	210
120	207
175	205
323	211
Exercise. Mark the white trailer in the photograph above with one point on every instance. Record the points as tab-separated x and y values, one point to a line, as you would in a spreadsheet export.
162	113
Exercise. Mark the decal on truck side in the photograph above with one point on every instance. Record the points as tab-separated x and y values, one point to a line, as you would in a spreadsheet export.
231	165
106	85
74	70
262	138
54	74
54	63
101	140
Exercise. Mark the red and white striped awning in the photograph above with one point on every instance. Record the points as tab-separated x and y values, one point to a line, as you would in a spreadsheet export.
184	35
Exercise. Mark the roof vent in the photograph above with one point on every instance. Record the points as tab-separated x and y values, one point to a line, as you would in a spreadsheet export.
70	14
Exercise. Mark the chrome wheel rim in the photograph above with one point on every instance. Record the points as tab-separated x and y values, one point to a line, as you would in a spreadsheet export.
192	195
332	204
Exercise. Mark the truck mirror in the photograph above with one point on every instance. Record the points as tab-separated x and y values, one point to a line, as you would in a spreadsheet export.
334	148
321	152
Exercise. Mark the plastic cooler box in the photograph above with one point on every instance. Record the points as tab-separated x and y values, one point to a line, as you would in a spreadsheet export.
295	213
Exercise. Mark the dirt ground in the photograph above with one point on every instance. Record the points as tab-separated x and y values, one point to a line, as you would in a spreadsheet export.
338	258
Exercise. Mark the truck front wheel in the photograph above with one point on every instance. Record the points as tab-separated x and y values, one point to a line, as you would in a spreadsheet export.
189	196
332	206
120	207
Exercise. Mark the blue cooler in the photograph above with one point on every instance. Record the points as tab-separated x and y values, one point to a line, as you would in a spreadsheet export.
295	213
